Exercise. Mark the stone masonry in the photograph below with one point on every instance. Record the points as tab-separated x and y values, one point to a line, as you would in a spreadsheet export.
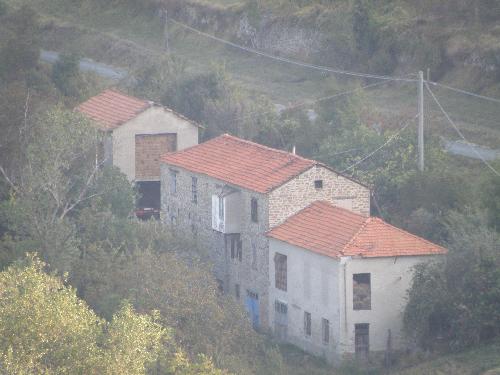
195	220
252	272
299	192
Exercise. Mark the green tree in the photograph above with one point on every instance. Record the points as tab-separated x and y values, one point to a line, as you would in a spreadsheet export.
46	329
458	300
59	176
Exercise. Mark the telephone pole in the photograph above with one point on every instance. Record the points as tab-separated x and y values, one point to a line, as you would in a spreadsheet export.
165	29
421	121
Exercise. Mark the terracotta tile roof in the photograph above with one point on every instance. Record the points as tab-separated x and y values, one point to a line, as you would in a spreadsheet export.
334	231
240	163
111	108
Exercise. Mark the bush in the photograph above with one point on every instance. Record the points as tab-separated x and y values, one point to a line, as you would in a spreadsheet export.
457	302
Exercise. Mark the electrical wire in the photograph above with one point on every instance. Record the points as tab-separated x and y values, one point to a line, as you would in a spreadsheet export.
381	147
310	102
459	132
464	92
290	61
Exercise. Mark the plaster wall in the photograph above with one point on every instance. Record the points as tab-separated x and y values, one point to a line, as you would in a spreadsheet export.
313	286
155	120
390	278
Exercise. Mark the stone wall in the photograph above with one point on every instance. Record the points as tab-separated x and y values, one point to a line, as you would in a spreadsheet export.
301	191
195	220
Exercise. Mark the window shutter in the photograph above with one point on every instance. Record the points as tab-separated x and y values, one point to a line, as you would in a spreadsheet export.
215	212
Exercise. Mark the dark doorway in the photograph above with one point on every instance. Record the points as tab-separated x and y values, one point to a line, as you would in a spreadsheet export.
362	340
149	201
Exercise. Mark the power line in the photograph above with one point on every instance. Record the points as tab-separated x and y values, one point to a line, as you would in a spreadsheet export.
464	92
459	132
318	100
381	147
290	61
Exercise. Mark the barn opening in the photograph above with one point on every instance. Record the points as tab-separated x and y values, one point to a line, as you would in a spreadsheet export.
149	200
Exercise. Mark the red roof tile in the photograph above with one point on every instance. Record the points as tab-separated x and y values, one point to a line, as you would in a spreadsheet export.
111	108
334	231
241	163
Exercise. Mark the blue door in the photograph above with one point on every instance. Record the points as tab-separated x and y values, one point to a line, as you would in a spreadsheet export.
252	307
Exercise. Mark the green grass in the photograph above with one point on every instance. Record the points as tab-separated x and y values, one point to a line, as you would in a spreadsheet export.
484	360
98	31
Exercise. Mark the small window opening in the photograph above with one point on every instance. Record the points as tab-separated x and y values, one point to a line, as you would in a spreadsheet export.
361	291
220	286
325	327
254	210
307	324
194	190
236	247
318	184
280	271
221	208
237	291
173	182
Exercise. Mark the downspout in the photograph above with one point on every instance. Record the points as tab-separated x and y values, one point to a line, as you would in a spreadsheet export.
345	298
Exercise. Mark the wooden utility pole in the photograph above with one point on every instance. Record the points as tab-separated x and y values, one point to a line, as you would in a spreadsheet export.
421	120
165	29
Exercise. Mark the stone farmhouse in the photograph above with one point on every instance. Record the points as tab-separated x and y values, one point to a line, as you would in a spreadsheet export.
229	192
138	132
338	280
293	241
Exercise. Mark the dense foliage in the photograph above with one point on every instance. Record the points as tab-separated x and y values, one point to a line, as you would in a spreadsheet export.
456	302
55	200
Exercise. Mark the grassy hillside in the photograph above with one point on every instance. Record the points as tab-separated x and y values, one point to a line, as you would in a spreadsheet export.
130	38
480	361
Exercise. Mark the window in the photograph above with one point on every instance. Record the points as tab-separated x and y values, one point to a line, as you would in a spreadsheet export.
237	291
194	190
318	184
221	208
307	324
173	182
220	286
361	293
252	295
280	271
218	213
254	208
235	245
254	255
325	328
281	320
362	340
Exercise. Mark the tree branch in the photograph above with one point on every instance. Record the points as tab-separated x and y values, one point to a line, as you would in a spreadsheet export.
9	181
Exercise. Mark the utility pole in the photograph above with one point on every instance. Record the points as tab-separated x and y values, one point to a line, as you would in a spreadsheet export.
421	121
165	29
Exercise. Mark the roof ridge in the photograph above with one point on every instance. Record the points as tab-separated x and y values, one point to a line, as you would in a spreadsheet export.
408	233
227	135
117	91
353	238
314	162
